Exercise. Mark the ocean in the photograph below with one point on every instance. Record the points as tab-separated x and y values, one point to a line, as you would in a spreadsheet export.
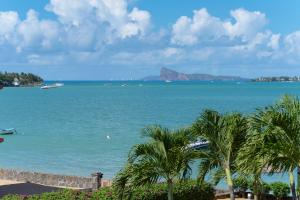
86	127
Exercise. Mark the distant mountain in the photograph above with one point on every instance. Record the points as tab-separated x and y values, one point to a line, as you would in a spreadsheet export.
171	75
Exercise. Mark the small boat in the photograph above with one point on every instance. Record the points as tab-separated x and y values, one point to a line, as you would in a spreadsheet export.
168	81
8	131
55	85
200	144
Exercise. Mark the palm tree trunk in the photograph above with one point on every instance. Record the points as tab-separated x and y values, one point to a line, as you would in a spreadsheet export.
256	197
292	184
229	183
298	182
257	188
170	189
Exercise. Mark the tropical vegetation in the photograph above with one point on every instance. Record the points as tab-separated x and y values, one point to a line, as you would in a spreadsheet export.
263	143
225	133
25	79
189	190
165	157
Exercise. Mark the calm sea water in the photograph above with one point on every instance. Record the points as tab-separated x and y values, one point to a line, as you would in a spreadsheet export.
65	130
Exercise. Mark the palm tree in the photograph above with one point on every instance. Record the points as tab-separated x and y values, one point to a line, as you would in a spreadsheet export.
225	134
165	156
287	119
252	159
273	141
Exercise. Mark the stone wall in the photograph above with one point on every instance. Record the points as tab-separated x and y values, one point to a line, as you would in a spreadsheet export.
93	182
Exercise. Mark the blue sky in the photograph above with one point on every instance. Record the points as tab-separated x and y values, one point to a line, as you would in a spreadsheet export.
124	39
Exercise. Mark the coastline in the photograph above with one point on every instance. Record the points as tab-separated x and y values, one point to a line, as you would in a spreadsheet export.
93	182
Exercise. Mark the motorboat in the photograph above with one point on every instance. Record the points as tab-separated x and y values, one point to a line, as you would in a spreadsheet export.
199	144
55	85
8	131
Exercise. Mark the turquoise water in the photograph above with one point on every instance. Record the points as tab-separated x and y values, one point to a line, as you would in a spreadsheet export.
65	130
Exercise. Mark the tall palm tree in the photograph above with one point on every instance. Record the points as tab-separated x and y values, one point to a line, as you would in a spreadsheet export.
253	156
273	141
165	156
287	118
225	134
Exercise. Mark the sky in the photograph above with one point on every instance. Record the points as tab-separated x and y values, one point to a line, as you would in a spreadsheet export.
130	39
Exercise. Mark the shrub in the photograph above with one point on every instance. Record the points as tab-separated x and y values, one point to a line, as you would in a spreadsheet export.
105	193
12	197
187	190
241	183
280	190
266	188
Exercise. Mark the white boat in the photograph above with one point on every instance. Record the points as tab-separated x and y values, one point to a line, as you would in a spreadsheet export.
200	144
8	131
55	85
168	81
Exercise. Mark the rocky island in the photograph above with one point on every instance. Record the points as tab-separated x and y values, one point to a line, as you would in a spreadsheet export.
19	79
171	75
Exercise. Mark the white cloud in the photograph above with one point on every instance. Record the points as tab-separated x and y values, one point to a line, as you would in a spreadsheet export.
292	42
82	25
247	24
203	27
110	16
8	22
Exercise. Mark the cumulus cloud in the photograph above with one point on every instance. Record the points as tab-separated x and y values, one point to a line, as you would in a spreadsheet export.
111	33
82	25
8	22
247	24
203	27
109	15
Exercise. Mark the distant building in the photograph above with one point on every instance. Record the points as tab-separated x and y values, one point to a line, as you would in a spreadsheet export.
16	82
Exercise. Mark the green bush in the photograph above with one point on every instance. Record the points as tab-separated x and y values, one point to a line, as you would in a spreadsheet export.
266	188
241	184
104	194
182	191
12	197
280	190
187	190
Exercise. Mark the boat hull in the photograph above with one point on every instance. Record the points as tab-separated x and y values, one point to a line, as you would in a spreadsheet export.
7	132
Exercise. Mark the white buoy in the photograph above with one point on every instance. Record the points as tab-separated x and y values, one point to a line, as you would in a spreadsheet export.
108	137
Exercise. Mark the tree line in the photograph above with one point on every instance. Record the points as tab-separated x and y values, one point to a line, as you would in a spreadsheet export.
239	147
7	79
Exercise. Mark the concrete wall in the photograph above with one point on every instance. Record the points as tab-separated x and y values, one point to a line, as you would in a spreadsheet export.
92	182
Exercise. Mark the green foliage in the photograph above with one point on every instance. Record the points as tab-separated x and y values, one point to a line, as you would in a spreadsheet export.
61	195
164	157
12	197
266	188
241	183
106	193
280	190
225	134
7	79
187	190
